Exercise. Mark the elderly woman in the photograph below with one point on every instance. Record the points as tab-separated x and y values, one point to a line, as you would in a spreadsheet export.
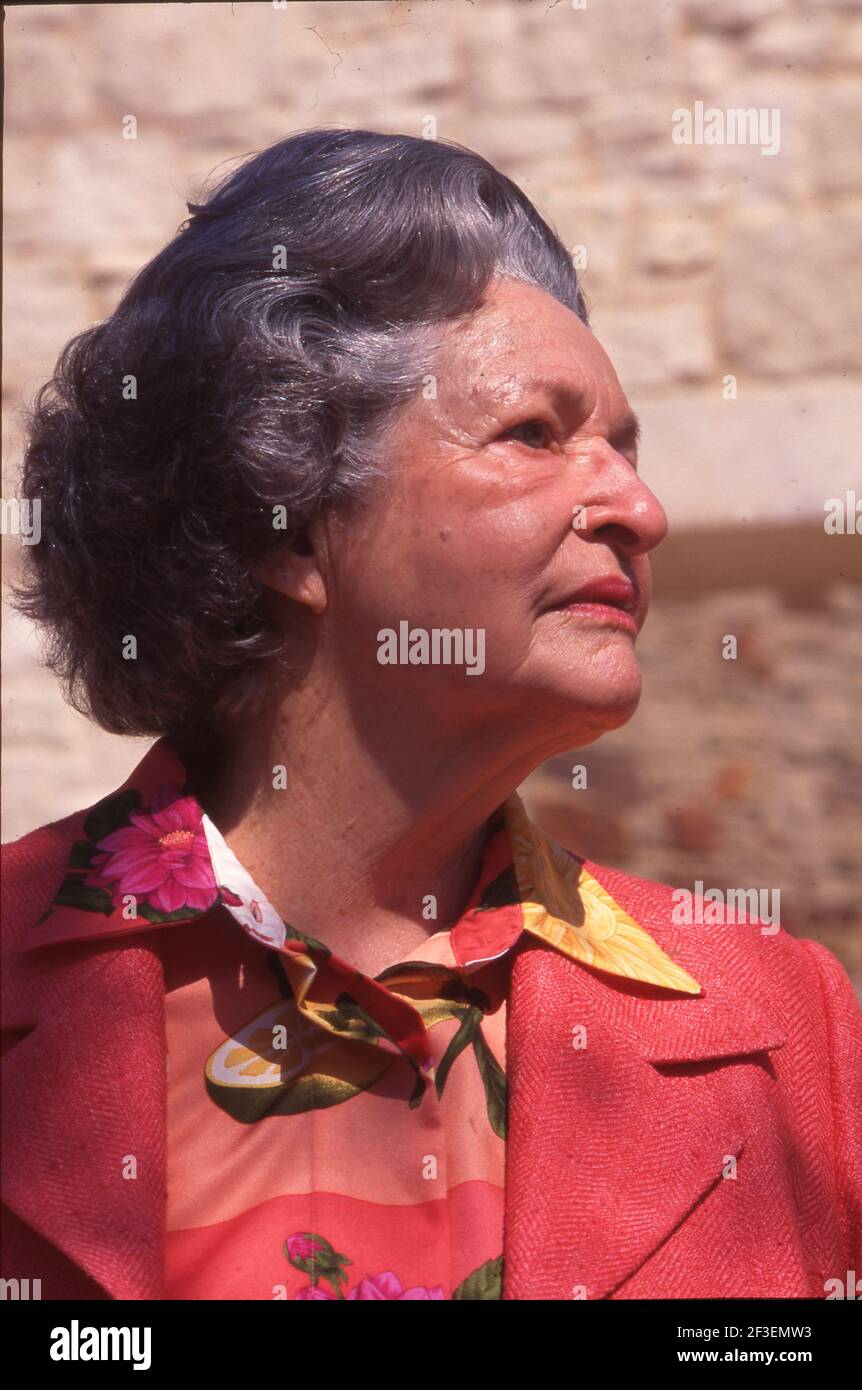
342	505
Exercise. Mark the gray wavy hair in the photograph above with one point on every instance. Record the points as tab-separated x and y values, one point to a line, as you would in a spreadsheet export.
270	342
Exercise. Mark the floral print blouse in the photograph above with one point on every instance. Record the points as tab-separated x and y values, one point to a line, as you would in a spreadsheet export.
331	1135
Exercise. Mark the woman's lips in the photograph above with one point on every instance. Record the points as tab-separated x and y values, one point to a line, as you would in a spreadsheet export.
604	613
612	601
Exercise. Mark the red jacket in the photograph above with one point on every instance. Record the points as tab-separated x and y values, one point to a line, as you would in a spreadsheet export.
620	1157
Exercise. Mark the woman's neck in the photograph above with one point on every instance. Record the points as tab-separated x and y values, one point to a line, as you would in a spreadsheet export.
370	854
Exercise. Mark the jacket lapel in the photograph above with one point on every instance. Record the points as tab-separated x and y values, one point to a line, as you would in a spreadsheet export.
606	1156
85	1118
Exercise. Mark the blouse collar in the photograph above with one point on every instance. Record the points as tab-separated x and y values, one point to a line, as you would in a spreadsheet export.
148	856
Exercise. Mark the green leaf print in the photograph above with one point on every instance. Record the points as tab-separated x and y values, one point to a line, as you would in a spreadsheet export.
415	967
485	1283
152	914
316	947
494	1081
493	1077
73	892
461	1039
82	854
111	814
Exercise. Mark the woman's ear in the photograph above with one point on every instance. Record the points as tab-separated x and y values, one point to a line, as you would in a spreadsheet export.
296	571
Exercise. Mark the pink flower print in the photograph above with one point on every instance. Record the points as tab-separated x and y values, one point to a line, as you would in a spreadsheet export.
162	856
315	1255
300	1247
388	1286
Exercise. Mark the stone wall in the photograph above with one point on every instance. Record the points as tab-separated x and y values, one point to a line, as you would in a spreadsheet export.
722	280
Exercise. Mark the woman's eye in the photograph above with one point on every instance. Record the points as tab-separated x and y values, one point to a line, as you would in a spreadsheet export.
536	434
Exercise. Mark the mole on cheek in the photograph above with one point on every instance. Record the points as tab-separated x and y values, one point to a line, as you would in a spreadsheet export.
444	534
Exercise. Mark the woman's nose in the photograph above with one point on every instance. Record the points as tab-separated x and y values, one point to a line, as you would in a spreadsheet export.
632	520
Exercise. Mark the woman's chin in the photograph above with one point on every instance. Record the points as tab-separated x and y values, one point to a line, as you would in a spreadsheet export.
584	711
606	687
622	710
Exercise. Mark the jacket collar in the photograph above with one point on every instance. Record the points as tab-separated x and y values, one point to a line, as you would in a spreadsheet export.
584	1202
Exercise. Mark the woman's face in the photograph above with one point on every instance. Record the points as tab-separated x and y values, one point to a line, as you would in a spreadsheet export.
509	492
